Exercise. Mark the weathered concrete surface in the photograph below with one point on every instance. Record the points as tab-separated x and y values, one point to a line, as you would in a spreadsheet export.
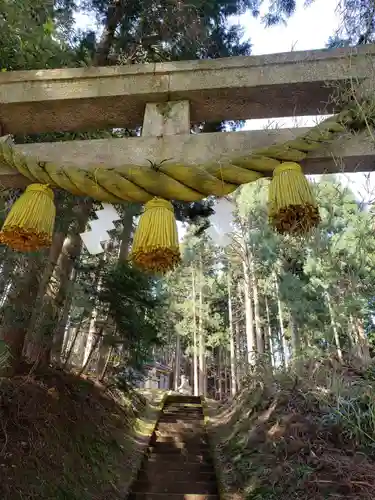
293	83
348	154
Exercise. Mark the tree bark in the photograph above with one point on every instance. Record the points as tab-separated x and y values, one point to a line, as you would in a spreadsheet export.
249	316
220	373
195	341
103	372
59	334
233	370
202	346
6	273
269	331
177	367
283	344
19	308
87	359
334	328
295	336
362	341
60	283
258	327
238	355
115	12
225	375
77	330
55	250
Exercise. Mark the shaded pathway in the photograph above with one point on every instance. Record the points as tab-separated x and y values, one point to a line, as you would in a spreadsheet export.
179	465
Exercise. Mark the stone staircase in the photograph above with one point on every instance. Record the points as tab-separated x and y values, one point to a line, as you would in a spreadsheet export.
178	465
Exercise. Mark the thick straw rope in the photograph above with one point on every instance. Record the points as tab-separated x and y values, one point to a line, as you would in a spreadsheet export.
171	181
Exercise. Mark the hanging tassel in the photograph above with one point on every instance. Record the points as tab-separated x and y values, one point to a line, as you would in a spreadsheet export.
292	206
155	244
29	224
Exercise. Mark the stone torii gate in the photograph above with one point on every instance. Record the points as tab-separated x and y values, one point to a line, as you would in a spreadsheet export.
169	162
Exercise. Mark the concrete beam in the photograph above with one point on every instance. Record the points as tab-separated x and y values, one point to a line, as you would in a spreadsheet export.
347	154
82	99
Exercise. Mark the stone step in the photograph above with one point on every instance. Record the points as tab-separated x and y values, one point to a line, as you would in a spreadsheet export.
181	427
194	423
180	443
179	458
177	431
180	416
188	413
193	473
175	398
178	496
161	467
179	439
184	413
165	448
182	404
178	465
173	487
180	433
164	419
174	411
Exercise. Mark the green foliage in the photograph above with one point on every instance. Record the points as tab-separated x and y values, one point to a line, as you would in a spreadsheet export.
132	308
28	37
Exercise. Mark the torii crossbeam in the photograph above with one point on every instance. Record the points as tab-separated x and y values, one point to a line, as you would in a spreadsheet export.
168	161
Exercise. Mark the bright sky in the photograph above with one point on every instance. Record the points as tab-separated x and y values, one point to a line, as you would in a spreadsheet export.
310	28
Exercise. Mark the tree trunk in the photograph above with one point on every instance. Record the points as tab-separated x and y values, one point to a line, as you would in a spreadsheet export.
352	335
202	346
334	328
9	261
59	334
92	337
249	316
88	357
226	376
72	344
177	367
60	284
55	250
269	331
232	351
127	230
238	356
115	12
18	308
102	374
258	327
220	373
195	340
295	336
362	341
283	344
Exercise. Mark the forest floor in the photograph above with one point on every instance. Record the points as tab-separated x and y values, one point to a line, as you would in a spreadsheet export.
306	434
66	438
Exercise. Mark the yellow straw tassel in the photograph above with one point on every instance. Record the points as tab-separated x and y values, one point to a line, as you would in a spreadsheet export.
292	206
155	244
29	224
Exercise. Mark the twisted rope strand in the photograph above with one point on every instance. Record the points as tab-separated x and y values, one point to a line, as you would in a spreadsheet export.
171	181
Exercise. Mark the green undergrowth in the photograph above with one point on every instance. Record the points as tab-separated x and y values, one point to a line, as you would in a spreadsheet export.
65	438
307	433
